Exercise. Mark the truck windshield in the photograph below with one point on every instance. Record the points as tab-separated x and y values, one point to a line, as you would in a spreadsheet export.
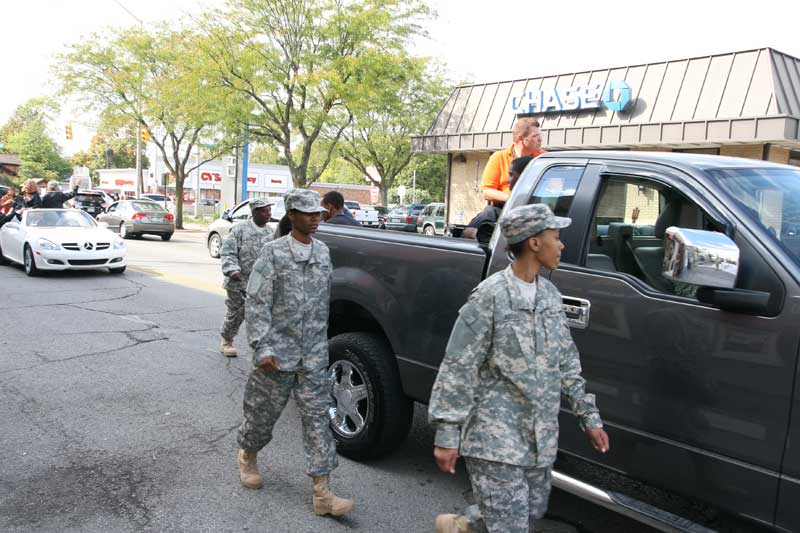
772	199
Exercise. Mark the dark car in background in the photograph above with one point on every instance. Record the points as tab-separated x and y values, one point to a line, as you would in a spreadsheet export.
93	202
404	218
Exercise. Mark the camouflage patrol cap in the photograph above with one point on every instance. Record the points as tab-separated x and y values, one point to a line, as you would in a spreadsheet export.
304	200
258	203
529	220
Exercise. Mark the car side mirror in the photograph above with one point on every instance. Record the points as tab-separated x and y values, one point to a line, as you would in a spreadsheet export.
226	215
103	224
699	257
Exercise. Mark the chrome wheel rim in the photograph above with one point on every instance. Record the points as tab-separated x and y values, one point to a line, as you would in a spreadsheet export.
351	406
215	245
28	259
122	230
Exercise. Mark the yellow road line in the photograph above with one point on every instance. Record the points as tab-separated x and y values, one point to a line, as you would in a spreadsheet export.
182	280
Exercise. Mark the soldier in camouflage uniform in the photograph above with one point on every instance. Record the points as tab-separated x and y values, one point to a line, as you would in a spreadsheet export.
286	315
496	399
239	252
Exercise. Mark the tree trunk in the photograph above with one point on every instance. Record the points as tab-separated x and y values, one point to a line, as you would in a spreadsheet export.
384	191
179	177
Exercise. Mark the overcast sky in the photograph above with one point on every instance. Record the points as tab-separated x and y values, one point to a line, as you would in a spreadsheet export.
477	40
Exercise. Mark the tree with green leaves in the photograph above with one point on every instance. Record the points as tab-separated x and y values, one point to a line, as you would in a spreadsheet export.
25	134
153	80
295	62
110	149
379	136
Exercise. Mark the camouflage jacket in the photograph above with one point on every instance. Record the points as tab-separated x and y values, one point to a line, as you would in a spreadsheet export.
509	359
286	309
240	249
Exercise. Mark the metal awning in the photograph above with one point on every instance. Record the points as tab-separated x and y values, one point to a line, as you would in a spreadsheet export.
741	97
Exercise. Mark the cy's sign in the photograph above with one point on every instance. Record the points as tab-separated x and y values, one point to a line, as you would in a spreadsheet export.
614	97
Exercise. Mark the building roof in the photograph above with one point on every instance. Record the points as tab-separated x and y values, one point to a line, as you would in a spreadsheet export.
10	159
747	96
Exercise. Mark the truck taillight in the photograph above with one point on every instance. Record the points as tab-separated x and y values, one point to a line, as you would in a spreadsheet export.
169	218
419	221
138	216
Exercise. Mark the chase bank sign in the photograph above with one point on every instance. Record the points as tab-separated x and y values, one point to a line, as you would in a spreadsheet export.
615	96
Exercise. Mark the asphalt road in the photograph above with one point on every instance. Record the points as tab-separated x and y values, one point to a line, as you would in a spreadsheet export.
117	413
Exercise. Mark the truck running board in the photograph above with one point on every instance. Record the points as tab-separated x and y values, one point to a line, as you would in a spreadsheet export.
627	506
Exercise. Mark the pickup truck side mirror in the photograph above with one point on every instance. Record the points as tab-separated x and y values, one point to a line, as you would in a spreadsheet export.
698	257
711	260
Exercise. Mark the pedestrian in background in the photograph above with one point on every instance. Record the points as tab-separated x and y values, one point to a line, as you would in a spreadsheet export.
30	193
54	198
286	315
527	141
333	202
7	201
238	254
496	398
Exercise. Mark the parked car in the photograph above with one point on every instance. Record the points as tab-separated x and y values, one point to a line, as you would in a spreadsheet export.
166	201
404	218
93	202
685	321
61	239
134	218
364	214
219	229
431	220
208	201
383	212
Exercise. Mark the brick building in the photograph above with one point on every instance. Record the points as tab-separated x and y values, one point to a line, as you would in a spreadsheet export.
742	104
363	194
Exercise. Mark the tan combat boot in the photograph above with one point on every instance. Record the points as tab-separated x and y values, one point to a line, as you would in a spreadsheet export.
453	523
248	470
227	348
326	502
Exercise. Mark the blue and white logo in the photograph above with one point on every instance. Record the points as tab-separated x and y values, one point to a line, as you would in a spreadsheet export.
615	97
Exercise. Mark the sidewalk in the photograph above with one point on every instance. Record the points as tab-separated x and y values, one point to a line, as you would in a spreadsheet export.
194	227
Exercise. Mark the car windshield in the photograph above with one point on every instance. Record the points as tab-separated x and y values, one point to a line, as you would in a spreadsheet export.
53	218
147	206
771	196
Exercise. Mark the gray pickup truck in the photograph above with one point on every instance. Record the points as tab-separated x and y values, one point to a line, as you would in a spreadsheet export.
681	281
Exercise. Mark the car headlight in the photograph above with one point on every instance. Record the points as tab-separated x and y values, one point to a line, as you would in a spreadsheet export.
44	244
119	244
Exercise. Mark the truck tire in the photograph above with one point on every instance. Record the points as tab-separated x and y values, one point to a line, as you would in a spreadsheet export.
371	415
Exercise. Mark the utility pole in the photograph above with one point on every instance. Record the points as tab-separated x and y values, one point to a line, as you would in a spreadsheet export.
196	179
415	187
245	156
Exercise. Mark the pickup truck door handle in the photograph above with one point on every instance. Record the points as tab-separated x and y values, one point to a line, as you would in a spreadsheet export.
577	311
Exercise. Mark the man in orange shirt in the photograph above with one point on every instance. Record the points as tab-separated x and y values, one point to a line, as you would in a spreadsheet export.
527	141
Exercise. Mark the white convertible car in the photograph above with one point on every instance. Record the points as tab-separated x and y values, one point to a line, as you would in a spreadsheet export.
61	239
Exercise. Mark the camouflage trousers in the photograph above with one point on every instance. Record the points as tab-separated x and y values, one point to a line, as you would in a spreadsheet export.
510	498
235	313
265	397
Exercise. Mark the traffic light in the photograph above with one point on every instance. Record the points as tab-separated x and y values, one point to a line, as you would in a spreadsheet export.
68	130
145	136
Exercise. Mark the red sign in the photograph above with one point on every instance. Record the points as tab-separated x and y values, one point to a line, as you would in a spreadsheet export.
121	183
276	180
211	176
251	180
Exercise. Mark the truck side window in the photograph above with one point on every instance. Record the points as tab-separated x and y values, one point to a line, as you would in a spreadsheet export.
556	188
628	226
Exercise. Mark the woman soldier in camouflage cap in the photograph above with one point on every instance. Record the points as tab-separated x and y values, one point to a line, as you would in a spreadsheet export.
496	399
286	314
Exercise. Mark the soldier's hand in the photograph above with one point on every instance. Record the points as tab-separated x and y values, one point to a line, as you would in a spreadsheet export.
446	459
237	276
598	439
270	364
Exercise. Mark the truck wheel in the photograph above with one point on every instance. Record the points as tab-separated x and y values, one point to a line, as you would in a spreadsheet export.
429	230
370	415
